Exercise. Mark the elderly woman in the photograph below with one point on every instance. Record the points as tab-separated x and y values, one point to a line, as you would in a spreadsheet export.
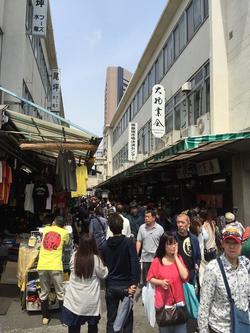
214	312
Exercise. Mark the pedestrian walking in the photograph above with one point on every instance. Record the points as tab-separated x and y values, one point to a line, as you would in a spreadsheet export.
214	313
82	299
210	250
147	241
188	246
168	273
98	227
120	256
50	266
126	225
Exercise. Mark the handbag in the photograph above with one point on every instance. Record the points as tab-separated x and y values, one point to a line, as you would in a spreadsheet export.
192	303
210	254
239	319
170	316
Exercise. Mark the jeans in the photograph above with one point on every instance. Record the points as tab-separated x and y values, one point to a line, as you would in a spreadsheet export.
174	329
145	269
113	297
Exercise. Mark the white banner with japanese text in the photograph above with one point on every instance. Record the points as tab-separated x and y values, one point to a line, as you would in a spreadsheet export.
132	141
56	90
39	18
158	111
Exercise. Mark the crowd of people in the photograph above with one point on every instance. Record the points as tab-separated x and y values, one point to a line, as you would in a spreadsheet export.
132	246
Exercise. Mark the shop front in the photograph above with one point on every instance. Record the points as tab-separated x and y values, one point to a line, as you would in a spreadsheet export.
198	170
43	172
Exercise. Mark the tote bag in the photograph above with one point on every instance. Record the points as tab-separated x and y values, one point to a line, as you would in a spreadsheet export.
192	303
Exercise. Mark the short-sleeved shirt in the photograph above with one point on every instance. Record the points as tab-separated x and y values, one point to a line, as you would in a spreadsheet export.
185	250
50	256
150	237
171	273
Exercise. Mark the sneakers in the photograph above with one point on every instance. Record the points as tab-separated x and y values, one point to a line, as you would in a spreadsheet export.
45	321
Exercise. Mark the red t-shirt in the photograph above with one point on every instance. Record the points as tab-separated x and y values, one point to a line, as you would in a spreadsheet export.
170	273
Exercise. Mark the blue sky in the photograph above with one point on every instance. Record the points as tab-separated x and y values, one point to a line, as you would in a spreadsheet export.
89	37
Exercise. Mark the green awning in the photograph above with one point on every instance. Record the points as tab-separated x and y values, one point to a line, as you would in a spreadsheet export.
182	150
192	146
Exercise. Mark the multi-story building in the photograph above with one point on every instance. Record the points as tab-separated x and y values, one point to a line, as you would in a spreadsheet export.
26	60
117	80
199	51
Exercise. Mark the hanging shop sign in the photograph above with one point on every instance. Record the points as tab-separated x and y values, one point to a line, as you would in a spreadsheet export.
158	111
56	90
209	167
39	18
132	141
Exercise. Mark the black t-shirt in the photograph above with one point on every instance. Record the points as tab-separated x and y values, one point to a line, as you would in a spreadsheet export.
185	250
40	195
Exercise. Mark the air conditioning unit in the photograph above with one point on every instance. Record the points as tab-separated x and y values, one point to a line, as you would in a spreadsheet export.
139	157
189	131
203	124
172	137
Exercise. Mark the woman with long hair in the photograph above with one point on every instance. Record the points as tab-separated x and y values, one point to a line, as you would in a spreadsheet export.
210	250
168	273
82	298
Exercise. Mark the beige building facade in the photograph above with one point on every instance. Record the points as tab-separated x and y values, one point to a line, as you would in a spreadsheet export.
26	61
199	51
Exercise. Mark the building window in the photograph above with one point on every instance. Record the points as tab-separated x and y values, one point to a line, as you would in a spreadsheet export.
157	77
161	65
182	32
140	141
145	90
176	42
140	97
205	12
27	108
190	21
197	14
29	15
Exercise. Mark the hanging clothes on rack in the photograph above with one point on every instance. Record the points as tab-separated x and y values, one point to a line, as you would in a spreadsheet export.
66	171
5	185
29	201
40	195
82	178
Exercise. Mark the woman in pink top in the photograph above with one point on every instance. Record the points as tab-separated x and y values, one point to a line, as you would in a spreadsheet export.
168	273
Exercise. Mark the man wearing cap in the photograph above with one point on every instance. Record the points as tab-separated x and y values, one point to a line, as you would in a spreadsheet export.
231	220
214	311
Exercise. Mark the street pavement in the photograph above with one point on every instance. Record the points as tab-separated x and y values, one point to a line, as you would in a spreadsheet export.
18	321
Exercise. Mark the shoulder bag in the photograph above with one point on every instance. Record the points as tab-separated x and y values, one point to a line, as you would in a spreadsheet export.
239	318
170	316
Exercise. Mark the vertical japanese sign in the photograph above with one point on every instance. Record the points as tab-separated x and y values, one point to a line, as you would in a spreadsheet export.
56	89
39	19
158	111
132	141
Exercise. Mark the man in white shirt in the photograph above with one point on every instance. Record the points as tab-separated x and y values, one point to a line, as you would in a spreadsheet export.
126	225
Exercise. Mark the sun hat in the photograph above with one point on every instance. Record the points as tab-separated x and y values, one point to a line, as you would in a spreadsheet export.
233	233
229	217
